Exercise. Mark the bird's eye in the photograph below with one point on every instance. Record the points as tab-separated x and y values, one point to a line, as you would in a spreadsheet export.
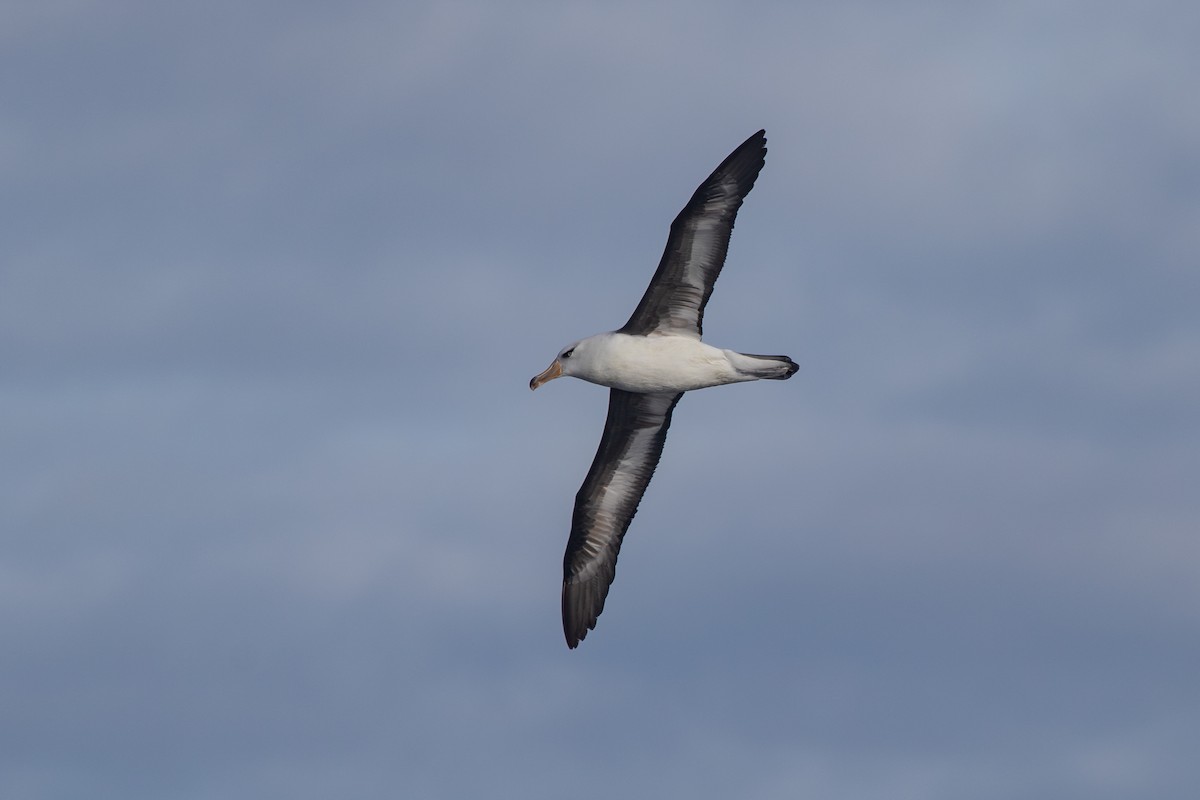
567	354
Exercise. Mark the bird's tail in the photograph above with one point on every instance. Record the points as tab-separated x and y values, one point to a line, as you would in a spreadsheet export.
773	368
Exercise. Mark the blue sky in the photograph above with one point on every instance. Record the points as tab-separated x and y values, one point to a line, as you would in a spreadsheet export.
279	516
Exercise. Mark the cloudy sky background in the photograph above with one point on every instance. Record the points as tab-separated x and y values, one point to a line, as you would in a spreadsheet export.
279	516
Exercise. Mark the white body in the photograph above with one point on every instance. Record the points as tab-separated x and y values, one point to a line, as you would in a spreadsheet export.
655	363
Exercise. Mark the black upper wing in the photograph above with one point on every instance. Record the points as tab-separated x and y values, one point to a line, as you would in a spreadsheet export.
629	451
695	252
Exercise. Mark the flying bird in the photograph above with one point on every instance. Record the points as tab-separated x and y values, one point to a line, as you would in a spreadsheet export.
648	364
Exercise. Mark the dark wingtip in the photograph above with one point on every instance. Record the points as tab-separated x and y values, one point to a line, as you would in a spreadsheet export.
580	612
745	162
575	633
760	138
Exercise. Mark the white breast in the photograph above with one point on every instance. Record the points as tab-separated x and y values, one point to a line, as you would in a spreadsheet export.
654	363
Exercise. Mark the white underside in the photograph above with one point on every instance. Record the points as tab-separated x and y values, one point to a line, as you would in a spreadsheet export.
654	363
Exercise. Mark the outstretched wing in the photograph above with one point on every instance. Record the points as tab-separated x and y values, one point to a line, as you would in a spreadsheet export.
695	253
629	451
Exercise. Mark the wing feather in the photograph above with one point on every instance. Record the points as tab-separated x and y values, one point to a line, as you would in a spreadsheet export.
696	247
607	501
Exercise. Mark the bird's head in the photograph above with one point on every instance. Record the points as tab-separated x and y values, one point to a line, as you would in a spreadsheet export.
560	366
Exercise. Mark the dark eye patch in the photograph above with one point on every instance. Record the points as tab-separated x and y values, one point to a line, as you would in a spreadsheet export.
567	354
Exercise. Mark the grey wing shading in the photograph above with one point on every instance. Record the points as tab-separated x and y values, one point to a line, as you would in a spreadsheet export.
696	247
629	451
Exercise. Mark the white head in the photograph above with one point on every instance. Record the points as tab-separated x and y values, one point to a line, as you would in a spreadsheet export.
564	364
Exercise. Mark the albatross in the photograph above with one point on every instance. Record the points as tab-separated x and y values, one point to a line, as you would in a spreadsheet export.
648	364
